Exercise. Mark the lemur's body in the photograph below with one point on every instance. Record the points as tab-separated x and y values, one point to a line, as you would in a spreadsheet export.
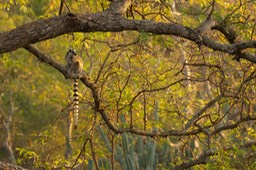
74	66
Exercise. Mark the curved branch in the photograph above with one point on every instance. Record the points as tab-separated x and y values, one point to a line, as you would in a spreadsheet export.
98	106
203	110
105	21
46	59
232	126
109	21
97	100
202	158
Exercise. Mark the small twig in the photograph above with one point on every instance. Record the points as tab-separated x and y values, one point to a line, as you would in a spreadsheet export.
82	150
93	155
197	115
61	6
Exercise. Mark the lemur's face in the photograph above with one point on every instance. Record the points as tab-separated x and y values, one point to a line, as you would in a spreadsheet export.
71	52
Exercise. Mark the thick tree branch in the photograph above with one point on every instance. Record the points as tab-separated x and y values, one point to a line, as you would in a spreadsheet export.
50	28
232	49
110	20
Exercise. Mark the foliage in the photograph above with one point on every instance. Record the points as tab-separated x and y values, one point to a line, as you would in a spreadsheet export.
157	84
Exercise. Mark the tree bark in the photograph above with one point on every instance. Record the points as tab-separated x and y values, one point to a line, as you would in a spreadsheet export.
111	20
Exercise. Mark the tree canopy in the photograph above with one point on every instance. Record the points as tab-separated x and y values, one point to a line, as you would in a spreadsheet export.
167	84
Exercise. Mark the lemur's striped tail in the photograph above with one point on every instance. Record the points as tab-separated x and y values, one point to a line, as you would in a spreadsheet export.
76	103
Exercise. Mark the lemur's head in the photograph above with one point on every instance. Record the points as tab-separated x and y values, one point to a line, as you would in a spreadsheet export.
71	53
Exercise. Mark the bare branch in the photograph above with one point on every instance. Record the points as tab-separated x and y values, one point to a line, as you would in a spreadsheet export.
197	115
98	106
105	21
61	6
232	126
46	59
202	158
82	150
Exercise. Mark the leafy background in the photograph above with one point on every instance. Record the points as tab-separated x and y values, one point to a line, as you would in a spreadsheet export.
180	80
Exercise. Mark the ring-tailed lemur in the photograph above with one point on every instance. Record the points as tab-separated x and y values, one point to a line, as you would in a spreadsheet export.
75	66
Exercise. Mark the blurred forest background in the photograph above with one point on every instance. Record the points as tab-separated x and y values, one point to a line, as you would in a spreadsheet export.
202	102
